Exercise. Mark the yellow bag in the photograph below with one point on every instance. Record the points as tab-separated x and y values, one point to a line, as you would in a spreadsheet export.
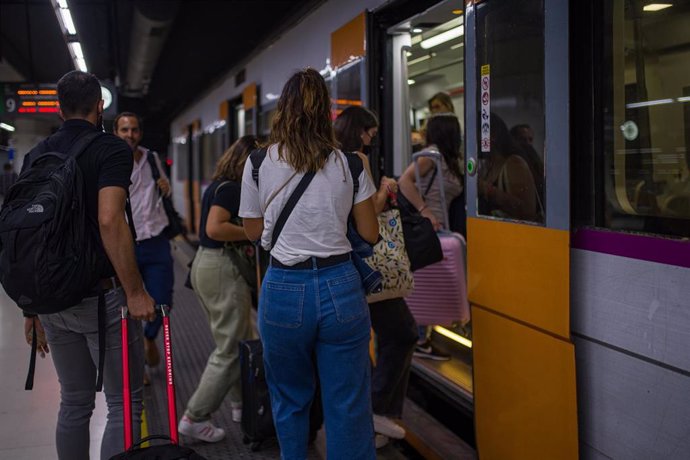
390	259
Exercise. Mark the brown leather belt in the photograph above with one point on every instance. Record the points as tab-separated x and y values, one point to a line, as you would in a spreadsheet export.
109	283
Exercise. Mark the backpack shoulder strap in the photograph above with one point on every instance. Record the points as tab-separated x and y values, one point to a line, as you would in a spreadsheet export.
354	162
151	158
220	186
257	157
83	143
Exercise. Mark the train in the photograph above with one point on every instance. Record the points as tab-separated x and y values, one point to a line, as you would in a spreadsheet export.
579	340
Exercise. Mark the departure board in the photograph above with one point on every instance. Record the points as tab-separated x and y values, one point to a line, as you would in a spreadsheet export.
28	98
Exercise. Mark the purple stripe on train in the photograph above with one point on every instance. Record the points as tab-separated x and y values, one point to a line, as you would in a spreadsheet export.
653	249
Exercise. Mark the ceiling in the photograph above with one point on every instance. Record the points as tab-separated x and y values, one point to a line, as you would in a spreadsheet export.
204	40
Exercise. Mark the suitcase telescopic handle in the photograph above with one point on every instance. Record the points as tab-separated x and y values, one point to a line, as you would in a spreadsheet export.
170	382
437	159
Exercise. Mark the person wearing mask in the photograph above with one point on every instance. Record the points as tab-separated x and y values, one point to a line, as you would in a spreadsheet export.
392	321
313	316
72	334
223	294
443	135
153	248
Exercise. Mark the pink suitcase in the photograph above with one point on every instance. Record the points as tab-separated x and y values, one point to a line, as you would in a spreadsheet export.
440	290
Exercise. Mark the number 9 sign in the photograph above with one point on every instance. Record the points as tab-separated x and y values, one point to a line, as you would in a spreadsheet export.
10	105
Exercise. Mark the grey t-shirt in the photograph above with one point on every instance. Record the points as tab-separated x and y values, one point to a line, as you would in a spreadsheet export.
317	226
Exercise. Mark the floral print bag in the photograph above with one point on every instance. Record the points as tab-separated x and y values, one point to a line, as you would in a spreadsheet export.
390	258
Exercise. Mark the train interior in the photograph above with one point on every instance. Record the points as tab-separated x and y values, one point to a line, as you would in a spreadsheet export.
431	57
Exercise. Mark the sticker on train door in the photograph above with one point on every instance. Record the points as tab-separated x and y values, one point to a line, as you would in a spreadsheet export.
485	122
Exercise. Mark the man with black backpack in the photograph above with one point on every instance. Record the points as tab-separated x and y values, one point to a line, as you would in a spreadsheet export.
71	196
149	188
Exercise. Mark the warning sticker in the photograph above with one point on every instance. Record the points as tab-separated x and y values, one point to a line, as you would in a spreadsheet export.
485	104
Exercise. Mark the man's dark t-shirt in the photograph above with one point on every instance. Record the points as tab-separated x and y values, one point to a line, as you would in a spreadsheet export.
228	198
107	162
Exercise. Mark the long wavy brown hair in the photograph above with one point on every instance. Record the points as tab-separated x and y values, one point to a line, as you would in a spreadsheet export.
302	125
231	164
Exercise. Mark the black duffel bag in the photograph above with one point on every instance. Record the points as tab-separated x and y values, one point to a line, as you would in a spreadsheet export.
158	452
421	241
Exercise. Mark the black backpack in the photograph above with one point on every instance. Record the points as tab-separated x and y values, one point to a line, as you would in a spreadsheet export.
49	256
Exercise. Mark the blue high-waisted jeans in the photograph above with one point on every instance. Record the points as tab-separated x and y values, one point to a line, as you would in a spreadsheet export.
319	312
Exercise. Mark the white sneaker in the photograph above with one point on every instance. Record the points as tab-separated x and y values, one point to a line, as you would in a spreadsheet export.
388	427
236	412
204	431
381	441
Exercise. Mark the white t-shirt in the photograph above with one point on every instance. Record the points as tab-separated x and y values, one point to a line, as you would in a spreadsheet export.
317	225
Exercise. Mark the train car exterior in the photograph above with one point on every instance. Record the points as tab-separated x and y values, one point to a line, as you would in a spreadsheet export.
579	343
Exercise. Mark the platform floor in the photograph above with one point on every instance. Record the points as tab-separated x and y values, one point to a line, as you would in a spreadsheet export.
28	418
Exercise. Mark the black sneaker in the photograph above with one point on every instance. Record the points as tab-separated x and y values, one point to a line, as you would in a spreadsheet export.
428	351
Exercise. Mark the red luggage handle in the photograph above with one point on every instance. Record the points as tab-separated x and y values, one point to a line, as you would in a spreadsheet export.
126	387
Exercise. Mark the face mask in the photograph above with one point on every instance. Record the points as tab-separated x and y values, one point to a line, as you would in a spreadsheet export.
368	150
99	122
417	147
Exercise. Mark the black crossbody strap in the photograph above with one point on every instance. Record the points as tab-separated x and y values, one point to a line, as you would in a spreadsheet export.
290	205
155	172
431	182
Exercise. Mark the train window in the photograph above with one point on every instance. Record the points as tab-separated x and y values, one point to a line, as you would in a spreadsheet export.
510	67
348	86
646	112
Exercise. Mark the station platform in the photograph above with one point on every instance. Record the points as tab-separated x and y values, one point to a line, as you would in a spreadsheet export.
27	418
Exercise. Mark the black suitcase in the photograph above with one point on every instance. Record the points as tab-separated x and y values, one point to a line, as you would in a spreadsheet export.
171	450
257	418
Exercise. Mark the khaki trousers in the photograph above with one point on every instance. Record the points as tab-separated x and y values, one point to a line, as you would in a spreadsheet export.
226	299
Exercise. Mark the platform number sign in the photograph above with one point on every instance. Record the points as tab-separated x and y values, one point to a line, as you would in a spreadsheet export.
485	102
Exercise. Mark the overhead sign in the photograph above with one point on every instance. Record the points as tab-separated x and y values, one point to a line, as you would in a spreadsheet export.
26	98
29	98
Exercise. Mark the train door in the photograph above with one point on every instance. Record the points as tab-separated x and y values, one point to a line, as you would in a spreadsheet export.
517	133
425	70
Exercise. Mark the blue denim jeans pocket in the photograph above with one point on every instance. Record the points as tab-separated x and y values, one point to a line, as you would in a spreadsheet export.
283	304
348	297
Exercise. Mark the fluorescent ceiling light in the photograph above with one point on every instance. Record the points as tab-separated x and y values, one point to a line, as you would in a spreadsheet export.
657	6
443	37
417	30
457	45
76	50
7	127
419	59
81	63
683	99
635	105
411	81
67	21
63	3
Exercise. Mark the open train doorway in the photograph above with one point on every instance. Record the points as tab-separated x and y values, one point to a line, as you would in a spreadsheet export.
424	77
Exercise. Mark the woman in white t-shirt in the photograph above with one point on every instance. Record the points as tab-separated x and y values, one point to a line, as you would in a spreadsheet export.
313	316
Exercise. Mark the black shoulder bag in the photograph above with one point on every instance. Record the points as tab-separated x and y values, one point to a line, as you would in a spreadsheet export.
175	223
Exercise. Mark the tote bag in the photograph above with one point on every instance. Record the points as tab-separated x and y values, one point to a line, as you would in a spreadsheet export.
391	259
